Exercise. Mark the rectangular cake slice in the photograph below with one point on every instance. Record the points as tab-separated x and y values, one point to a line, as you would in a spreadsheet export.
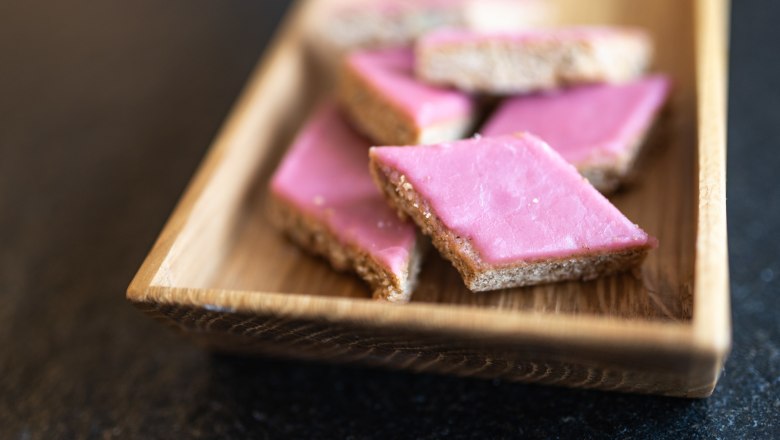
525	61
323	197
598	128
508	211
384	100
387	23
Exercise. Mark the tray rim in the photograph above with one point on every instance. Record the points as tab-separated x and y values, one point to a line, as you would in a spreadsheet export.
707	334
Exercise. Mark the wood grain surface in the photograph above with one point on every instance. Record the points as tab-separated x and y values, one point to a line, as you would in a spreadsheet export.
221	273
616	367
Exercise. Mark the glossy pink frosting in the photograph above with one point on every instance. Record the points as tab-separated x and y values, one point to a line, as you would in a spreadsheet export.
325	174
585	124
465	36
391	73
514	198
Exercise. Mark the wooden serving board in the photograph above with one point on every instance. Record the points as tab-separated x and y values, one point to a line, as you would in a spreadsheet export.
221	274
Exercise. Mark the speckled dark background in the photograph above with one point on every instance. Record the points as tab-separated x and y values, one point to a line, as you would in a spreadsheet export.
106	108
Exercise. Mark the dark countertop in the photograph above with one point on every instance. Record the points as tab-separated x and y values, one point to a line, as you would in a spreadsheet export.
106	108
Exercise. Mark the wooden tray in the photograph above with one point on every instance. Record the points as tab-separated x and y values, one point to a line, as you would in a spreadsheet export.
219	273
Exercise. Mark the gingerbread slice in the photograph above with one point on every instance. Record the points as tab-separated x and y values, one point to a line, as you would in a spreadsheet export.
508	211
599	129
526	61
323	197
379	92
387	23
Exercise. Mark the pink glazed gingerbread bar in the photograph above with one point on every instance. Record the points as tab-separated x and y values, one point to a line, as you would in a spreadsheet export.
323	197
526	61
387	23
508	211
599	129
382	97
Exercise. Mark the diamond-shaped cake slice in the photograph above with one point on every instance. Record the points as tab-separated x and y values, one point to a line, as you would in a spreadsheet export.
351	24
508	211
533	59
383	98
599	128
323	197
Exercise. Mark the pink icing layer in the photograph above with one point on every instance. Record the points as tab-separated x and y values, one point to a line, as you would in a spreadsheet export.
585	124
391	73
514	198
577	33
325	175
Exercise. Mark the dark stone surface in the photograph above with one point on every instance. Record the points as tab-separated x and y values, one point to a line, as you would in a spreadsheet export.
106	108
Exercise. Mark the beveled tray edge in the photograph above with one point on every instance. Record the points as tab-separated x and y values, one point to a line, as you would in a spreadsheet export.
712	309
